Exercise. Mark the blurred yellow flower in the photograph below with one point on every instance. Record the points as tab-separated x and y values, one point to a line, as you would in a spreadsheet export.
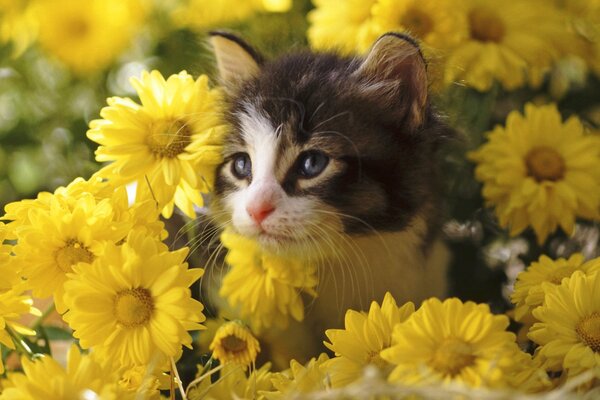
14	302
266	288
170	145
364	337
233	383
300	379
55	239
141	381
340	25
540	171
87	36
568	330
452	342
18	24
134	304
528	293
502	46
45	378
234	343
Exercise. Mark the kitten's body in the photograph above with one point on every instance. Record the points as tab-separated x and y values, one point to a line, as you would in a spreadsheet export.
333	159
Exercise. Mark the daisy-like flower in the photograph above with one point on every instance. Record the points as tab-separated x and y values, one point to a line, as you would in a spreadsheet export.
14	303
45	378
134	304
363	339
234	343
568	330
501	46
452	342
529	294
170	145
300	379
87	36
540	171
233	383
340	24
266	288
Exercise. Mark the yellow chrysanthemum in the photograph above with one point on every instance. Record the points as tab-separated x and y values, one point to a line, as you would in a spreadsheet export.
134	304
57	239
300	379
529	294
233	383
340	24
234	343
540	171
170	145
266	288
87	36
14	303
437	24
365	336
568	330
45	378
451	342
141	381
502	46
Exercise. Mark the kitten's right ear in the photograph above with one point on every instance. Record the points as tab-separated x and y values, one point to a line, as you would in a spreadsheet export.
237	61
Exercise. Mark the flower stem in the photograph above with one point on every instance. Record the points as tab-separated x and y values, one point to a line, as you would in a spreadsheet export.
43	317
21	346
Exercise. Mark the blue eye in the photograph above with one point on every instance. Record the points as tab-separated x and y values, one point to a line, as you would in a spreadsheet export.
241	167
312	163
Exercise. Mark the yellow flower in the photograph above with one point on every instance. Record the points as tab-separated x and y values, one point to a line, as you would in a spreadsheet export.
502	46
18	24
340	24
265	287
55	240
234	343
365	336
14	303
529	294
300	379
568	330
276	5
200	14
233	383
87	36
540	171
134	304
44	378
170	145
141	381
452	342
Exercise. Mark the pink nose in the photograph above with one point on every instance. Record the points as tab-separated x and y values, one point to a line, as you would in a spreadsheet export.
258	212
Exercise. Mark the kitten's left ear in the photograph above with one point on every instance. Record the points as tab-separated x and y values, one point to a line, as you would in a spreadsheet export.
395	71
237	61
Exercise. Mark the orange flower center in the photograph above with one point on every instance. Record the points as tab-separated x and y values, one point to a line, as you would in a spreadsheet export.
72	253
77	27
588	330
417	22
169	138
133	307
557	275
452	356
545	164
233	344
486	26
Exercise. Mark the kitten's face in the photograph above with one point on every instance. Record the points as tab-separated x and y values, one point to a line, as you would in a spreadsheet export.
316	151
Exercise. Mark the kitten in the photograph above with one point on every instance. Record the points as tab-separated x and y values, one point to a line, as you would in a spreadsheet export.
331	151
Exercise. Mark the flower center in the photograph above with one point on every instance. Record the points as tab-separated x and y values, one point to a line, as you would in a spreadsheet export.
72	253
557	275
545	164
169	138
375	359
133	307
417	22
77	27
233	344
588	330
452	356
486	26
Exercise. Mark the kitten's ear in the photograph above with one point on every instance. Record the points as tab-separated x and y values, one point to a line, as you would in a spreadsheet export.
395	71
237	61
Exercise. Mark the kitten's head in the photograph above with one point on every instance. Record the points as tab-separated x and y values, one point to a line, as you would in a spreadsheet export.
321	145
